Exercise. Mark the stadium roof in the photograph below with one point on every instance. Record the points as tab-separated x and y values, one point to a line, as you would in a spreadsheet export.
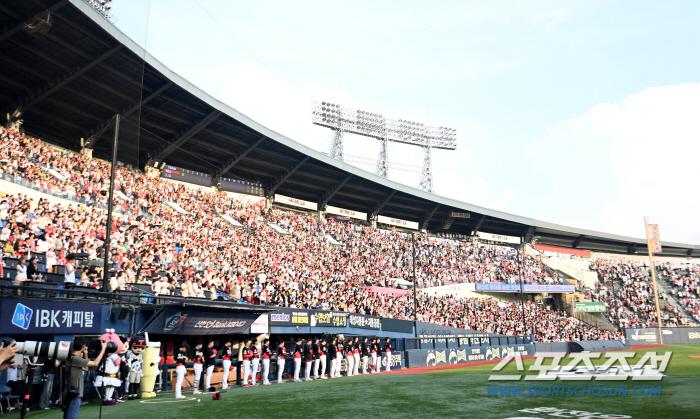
69	82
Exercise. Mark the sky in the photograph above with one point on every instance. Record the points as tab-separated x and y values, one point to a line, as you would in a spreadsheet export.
585	114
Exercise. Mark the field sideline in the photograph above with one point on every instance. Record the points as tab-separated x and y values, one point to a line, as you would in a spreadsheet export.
453	392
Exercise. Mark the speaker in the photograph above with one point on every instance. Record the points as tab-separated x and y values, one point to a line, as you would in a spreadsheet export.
121	312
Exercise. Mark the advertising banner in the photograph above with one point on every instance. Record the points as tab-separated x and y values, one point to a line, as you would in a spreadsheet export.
364	322
290	317
321	318
596	307
296	202
498	238
186	322
49	317
397	222
653	238
497	287
549	288
328	318
432	357
347	213
261	324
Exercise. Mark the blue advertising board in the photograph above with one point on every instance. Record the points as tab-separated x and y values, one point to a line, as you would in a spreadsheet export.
526	288
49	317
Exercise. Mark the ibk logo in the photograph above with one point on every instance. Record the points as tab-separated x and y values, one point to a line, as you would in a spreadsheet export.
580	367
22	317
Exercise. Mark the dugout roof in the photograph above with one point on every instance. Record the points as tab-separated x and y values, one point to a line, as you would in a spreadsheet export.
69	82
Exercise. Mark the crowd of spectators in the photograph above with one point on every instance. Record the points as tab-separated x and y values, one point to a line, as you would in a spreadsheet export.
626	287
181	243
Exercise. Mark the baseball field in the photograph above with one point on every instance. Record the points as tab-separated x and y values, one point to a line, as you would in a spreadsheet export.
440	392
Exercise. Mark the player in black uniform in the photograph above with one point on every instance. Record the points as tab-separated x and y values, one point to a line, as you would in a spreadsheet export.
297	359
317	357
226	359
387	355
281	353
350	357
180	359
245	356
378	346
332	355
365	355
266	355
198	359
209	360
308	359
323	351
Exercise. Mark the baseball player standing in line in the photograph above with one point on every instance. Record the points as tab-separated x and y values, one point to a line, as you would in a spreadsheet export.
255	361
297	360
332	354
315	348
180	359
356	355
339	356
379	356
281	352
387	354
323	350
245	357
266	355
350	357
209	360
198	358
373	348
226	360
365	355
308	359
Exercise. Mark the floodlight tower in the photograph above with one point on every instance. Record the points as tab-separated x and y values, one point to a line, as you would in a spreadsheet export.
376	126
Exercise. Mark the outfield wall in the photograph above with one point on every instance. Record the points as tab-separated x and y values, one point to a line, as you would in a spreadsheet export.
432	357
671	335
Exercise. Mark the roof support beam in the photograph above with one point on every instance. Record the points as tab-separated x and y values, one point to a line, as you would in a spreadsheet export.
18	27
187	135
333	192
478	225
528	235
578	241
424	224
30	101
285	177
386	200
126	113
240	157
632	249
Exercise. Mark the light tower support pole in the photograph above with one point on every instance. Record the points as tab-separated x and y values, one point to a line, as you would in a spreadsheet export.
426	178
383	162
653	279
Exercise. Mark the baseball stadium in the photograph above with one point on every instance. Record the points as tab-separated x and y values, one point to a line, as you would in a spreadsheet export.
163	254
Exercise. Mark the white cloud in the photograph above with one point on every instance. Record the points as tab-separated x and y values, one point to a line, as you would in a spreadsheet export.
616	163
551	19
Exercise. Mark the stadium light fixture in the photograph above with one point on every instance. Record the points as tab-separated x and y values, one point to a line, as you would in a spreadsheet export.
369	124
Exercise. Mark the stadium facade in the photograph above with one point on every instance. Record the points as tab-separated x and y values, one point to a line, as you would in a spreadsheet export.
68	78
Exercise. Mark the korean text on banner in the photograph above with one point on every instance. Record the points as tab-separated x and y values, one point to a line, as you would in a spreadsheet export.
653	238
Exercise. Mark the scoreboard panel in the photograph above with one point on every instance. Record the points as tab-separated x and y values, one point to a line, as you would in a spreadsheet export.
186	175
241	186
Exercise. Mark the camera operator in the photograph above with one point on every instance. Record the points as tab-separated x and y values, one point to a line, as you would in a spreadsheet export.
7	352
78	363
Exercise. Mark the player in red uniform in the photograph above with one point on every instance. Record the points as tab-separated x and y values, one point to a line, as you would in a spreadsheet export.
297	360
198	358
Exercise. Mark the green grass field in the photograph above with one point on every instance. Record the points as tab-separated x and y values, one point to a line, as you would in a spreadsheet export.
458	392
